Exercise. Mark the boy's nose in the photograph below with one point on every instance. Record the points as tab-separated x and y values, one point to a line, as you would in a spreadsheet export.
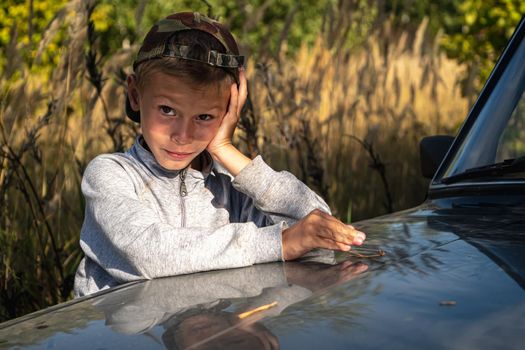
182	132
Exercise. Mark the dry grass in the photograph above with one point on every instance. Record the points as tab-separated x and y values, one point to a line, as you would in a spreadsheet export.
50	127
346	122
349	123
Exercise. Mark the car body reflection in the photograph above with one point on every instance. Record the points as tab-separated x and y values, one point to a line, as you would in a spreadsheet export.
203	310
443	283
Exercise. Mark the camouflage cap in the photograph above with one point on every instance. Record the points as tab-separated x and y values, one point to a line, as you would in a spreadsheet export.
159	41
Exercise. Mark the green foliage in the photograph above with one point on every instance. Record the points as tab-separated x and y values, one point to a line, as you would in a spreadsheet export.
121	23
24	23
409	13
478	31
258	23
475	31
472	31
262	26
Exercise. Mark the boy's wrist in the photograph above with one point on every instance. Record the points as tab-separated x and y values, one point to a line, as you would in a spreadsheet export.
230	158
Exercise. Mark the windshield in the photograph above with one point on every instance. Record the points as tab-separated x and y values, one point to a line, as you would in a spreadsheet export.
512	140
498	133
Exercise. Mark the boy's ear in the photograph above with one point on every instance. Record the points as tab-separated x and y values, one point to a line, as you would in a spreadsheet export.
132	99
133	93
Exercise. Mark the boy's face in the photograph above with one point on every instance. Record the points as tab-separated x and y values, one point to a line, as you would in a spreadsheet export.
178	120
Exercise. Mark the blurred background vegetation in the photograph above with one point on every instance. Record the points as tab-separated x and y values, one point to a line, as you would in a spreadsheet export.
341	92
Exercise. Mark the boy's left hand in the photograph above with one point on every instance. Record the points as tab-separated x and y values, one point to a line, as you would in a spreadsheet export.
223	138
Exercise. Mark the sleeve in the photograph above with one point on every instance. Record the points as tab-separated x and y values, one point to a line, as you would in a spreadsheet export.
278	195
123	235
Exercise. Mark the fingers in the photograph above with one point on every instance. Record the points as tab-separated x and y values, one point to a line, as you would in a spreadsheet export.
232	116
238	96
331	244
328	228
319	230
359	237
349	267
351	271
346	234
339	232
243	91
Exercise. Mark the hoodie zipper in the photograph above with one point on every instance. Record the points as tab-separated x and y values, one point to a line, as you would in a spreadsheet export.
183	193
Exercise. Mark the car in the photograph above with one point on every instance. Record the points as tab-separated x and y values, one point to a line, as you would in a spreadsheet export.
449	273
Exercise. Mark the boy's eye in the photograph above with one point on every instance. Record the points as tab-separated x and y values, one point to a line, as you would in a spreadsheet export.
204	117
167	110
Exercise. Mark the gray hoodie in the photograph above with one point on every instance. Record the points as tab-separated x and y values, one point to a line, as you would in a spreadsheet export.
143	221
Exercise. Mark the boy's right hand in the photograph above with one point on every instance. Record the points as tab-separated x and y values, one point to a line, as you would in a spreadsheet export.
319	230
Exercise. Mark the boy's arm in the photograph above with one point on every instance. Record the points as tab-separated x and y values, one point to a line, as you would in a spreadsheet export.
283	195
221	147
124	235
279	194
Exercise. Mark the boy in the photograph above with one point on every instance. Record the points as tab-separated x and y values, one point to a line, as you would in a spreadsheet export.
169	206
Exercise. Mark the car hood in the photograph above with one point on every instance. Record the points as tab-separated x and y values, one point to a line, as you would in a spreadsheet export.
452	277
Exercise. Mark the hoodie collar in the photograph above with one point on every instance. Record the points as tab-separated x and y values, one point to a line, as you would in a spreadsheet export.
146	158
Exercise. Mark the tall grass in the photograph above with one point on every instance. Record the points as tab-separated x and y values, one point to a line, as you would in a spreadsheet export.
346	121
51	124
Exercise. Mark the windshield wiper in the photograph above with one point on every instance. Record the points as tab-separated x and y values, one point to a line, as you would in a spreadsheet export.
508	166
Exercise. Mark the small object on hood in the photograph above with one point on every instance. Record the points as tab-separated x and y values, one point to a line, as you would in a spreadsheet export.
370	253
257	309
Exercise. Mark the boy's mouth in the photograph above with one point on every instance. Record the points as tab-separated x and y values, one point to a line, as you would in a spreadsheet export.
178	155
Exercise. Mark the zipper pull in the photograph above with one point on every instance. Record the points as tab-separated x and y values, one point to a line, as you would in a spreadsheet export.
182	190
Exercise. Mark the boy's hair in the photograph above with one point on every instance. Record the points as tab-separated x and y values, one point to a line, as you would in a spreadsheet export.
190	46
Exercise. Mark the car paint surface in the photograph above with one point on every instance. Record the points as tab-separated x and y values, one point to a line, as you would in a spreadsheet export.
453	276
